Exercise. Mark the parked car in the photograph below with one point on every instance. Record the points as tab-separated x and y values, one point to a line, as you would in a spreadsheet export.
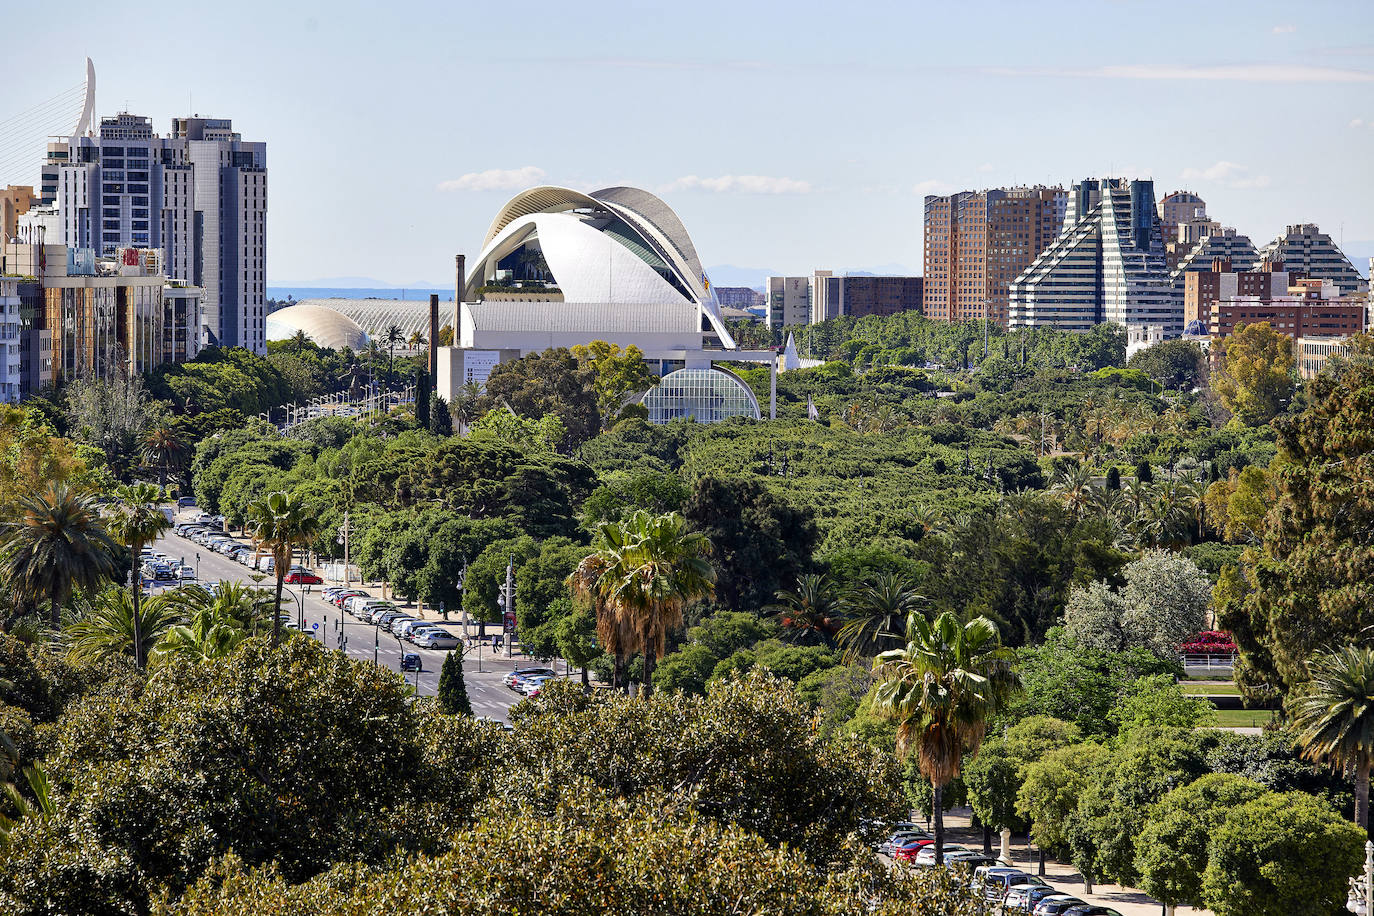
1056	904
511	679
998	882
400	621
186	502
927	856
908	849
1091	909
411	627
410	661
187	574
533	683
303	578
437	639
1023	897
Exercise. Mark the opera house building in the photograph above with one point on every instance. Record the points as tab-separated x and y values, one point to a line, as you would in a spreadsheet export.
559	267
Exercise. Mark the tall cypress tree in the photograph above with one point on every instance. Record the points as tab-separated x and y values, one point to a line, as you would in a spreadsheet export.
453	693
440	420
422	398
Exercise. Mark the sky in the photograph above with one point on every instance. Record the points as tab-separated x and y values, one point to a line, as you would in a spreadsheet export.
788	137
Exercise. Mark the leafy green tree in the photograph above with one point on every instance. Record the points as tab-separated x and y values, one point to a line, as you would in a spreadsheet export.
1176	364
575	636
941	689
1158	702
1335	721
1166	599
1171	851
280	523
1080	685
550	383
993	780
1281	853
453	691
1112	807
1048	798
54	543
759	543
616	373
1256	380
1303	589
785	782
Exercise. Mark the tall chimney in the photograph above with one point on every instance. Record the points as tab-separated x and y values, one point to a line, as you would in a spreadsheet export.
433	336
459	281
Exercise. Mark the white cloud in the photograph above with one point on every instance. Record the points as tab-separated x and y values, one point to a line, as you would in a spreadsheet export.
1227	174
1247	73
495	180
741	184
1285	29
931	186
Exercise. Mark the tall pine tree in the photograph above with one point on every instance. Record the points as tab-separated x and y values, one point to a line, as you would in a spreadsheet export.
453	693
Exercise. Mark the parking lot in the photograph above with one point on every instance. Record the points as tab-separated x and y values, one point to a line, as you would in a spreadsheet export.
482	668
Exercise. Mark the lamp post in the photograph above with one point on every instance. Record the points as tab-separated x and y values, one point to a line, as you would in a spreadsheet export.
1362	885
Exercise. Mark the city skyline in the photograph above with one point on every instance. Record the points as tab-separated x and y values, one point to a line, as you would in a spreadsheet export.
814	148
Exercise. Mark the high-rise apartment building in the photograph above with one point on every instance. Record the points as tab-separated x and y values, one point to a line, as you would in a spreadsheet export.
198	195
1107	265
1309	308
978	242
1225	244
1306	249
15	201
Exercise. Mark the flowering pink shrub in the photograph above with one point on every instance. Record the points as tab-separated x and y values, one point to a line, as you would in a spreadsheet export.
1209	642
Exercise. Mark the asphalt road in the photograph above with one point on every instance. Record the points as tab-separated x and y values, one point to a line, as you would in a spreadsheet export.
481	671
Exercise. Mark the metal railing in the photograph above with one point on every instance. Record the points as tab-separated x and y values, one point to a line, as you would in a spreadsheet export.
1208	661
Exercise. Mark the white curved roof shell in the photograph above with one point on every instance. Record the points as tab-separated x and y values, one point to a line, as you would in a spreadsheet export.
374	316
325	326
593	265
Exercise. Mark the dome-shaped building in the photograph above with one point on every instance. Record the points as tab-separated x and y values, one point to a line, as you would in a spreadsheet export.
325	326
616	264
707	395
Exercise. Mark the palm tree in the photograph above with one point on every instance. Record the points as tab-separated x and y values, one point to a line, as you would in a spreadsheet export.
642	574
392	337
664	569
1076	486
1192	496
299	340
811	612
417	340
879	610
112	625
54	543
136	519
941	688
595	581
280	522
211	633
245	605
162	450
467	403
1335	721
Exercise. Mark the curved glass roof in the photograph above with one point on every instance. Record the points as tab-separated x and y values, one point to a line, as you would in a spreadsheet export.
705	395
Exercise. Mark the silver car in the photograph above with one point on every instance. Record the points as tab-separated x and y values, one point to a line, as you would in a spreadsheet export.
437	639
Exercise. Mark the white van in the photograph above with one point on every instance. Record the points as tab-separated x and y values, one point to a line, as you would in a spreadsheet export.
265	564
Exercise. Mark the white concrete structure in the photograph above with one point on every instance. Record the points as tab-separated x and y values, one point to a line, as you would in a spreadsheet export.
325	326
559	268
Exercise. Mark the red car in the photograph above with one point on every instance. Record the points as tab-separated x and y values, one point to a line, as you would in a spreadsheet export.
907	852
302	578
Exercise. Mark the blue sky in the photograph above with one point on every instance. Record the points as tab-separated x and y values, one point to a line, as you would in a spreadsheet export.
788	136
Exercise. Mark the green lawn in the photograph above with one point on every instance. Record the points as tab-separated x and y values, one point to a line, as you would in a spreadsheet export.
1237	718
1210	690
